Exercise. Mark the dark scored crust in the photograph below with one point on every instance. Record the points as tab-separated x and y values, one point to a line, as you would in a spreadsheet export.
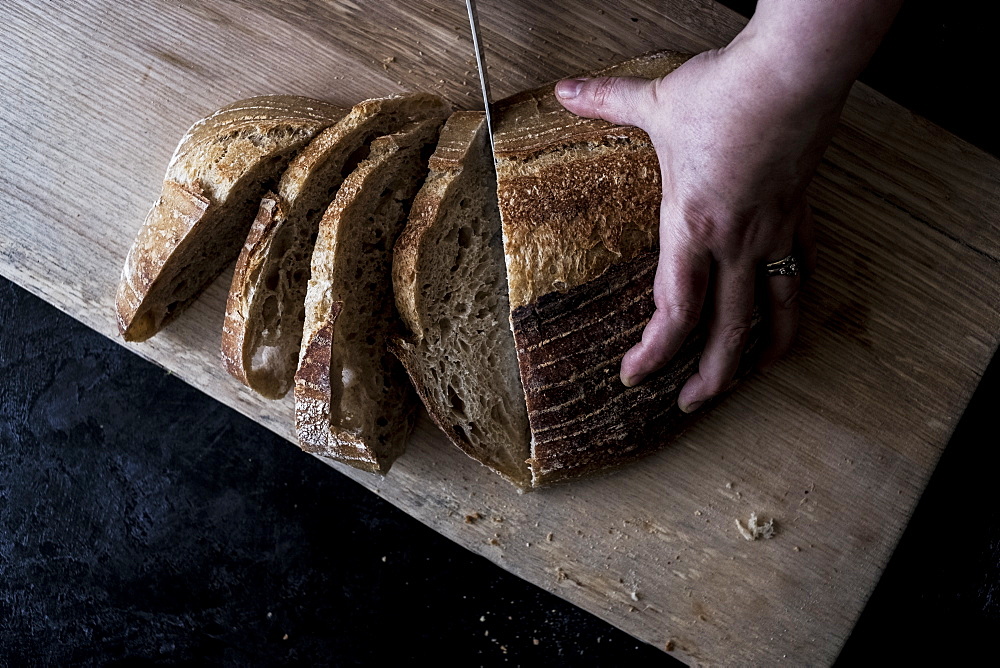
570	346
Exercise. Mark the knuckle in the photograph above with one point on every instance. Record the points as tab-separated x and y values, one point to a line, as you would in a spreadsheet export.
682	314
604	92
658	94
708	229
733	337
701	227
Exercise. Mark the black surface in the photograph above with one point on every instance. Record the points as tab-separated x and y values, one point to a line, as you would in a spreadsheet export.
140	519
143	522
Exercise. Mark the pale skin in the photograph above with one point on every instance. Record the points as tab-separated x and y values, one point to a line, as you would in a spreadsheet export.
739	132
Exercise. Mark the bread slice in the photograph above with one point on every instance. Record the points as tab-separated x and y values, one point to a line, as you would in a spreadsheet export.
353	402
265	309
579	199
220	170
451	292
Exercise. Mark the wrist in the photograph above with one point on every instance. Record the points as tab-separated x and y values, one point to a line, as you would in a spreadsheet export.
775	71
812	49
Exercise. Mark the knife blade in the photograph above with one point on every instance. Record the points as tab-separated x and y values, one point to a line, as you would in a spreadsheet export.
484	81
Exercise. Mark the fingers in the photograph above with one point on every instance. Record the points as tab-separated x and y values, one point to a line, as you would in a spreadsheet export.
782	294
805	241
727	334
619	100
679	292
783	312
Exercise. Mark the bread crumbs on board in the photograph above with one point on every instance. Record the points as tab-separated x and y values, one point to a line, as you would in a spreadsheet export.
754	531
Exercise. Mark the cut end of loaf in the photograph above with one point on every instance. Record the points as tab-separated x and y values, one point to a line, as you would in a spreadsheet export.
450	285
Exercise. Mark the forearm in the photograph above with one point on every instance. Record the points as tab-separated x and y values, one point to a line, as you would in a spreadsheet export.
816	47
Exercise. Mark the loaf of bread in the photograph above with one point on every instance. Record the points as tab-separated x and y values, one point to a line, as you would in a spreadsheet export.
220	170
353	402
579	203
265	310
451	291
509	299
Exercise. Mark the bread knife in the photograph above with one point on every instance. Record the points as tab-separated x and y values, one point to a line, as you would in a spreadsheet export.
484	81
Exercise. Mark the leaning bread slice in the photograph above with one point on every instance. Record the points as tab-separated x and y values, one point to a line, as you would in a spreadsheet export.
353	402
451	292
265	309
579	200
220	170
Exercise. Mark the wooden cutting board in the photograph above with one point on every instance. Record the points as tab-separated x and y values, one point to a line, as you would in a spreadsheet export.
836	444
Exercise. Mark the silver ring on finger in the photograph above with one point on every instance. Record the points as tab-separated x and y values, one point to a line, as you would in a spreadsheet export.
786	266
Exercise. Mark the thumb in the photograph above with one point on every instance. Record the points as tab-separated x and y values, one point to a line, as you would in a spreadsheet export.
619	100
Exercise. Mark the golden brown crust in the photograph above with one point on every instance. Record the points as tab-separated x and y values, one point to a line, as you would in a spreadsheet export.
568	218
212	166
533	121
576	195
385	115
407	250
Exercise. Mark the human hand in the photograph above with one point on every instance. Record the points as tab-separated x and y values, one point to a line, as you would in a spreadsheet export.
737	143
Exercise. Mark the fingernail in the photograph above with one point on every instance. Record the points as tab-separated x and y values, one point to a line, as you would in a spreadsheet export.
691	408
631	381
567	89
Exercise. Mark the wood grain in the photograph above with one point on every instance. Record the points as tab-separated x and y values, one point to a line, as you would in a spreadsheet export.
836	443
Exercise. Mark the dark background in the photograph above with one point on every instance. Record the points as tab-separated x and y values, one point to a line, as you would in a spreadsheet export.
143	522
